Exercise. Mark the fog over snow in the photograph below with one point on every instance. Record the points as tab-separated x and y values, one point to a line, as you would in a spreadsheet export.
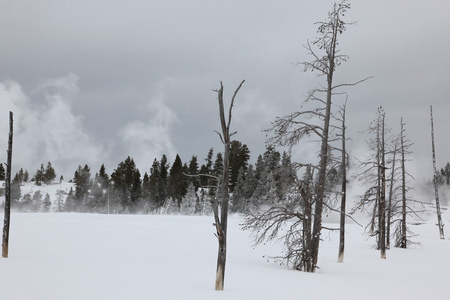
95	81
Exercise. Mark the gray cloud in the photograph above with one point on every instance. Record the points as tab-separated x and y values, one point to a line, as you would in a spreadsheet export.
123	53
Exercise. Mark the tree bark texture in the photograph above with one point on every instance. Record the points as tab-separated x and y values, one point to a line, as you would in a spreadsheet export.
6	222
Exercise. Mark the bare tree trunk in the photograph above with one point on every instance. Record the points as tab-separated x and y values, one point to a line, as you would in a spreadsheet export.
221	222
436	193
318	209
344	193
403	243
317	225
389	206
376	208
6	222
382	208
374	214
307	200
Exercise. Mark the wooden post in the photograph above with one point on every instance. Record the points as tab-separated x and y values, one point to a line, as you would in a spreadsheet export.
8	191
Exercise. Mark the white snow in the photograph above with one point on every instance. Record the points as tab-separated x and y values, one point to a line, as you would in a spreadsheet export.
90	256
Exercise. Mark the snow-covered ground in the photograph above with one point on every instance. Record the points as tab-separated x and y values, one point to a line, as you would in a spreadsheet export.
88	256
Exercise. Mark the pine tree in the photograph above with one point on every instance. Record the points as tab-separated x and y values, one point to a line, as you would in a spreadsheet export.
82	180
49	174
218	165
163	179
126	184
25	203
69	204
39	176
238	197
189	201
36	201
177	182
46	203
99	190
287	176
250	182
153	184
271	159
259	166
2	172
26	176
266	190
170	206
193	171
146	193
136	190
206	169
19	176
239	156
15	193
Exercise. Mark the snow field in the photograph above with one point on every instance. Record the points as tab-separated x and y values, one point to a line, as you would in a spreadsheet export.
90	256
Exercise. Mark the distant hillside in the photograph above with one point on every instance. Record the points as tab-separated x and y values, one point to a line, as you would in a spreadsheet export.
33	195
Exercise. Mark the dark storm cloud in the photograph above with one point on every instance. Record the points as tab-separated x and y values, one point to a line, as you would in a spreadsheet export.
146	70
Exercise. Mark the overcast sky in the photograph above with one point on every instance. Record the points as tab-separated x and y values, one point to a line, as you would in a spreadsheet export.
95	81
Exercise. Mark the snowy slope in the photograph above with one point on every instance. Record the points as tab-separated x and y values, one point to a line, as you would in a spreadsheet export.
88	256
50	189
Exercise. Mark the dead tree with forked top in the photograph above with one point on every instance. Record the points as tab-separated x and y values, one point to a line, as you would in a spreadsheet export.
221	220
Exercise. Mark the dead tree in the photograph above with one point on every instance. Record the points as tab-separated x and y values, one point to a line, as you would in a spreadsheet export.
343	188
389	210
402	145
382	197
404	206
436	193
290	223
6	222
374	175
288	131
221	221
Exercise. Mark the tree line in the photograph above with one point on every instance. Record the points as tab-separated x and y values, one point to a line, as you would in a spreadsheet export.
177	187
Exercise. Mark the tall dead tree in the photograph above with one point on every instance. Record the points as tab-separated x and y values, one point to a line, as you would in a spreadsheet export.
403	242
374	175
7	217
221	220
325	66
402	205
306	207
436	193
389	210
382	191
343	188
